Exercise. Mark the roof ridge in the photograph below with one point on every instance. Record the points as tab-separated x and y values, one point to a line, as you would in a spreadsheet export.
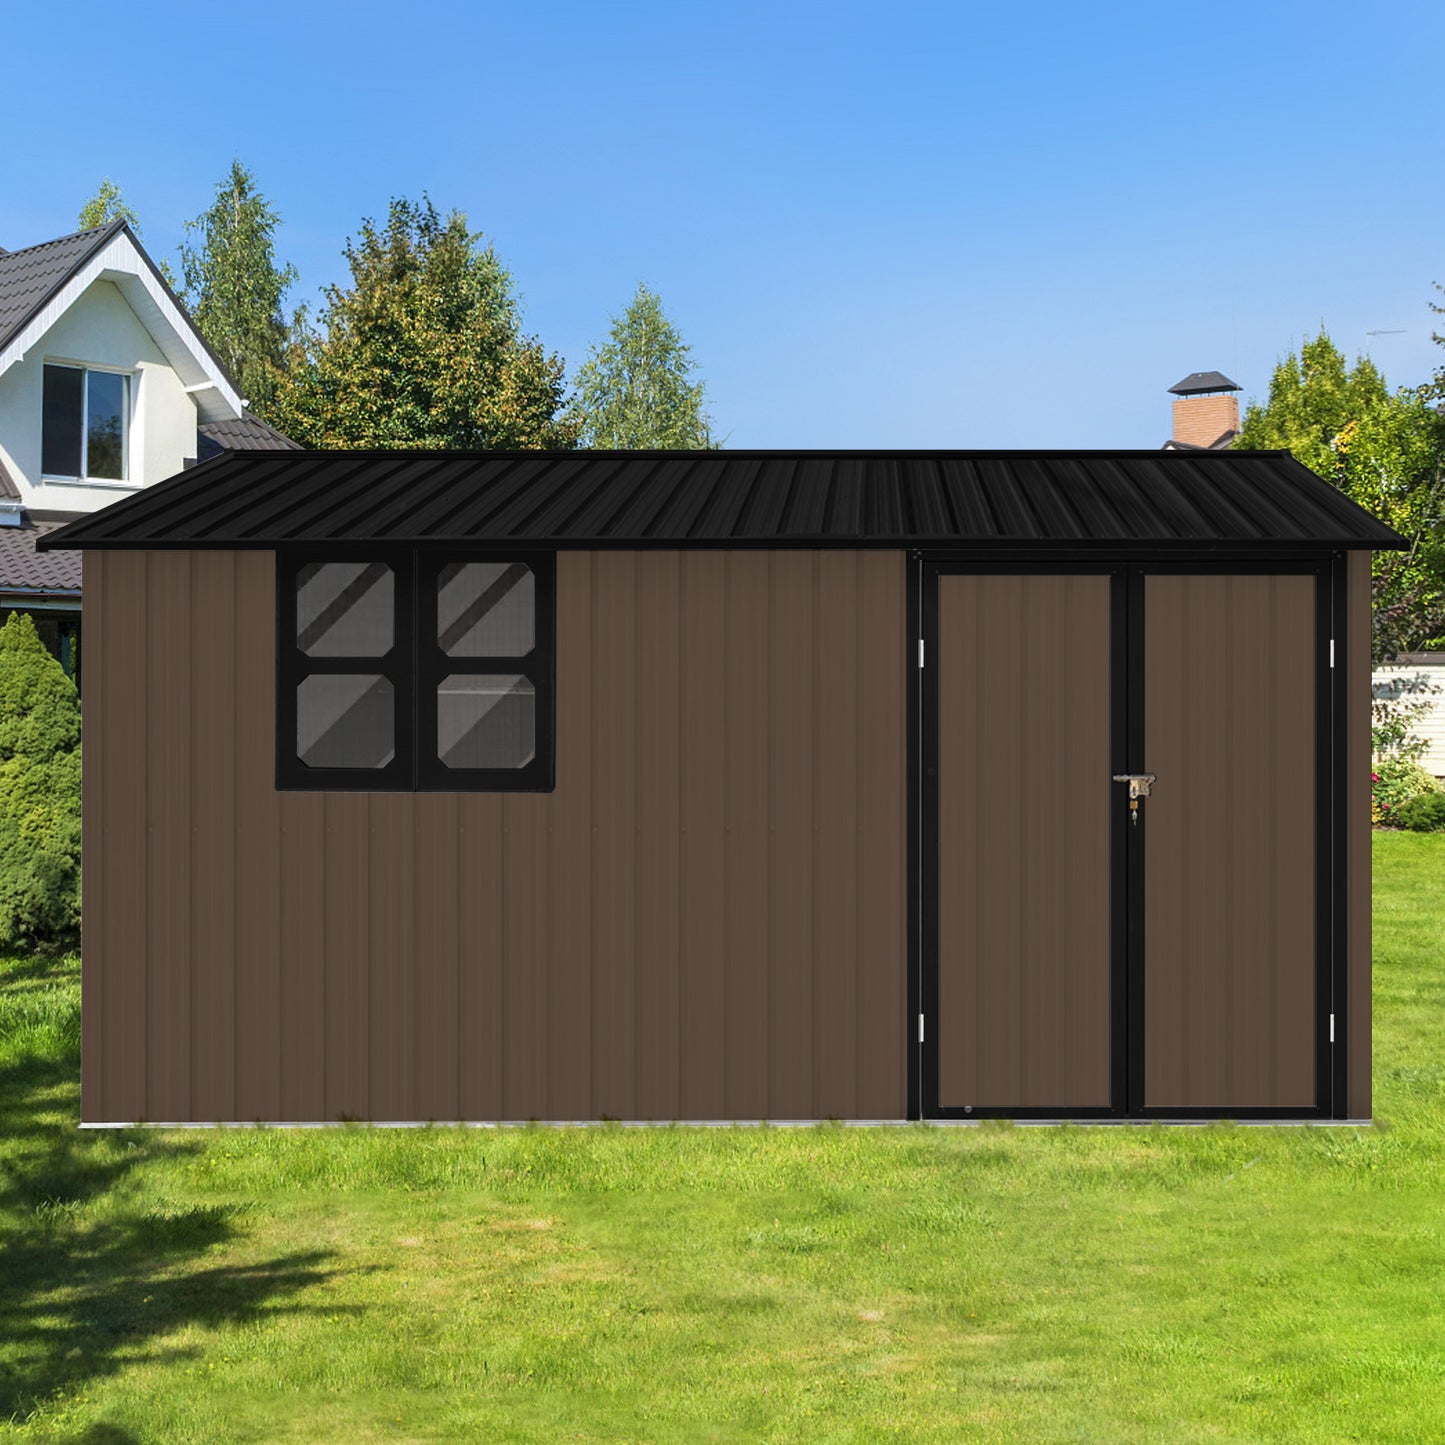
119	223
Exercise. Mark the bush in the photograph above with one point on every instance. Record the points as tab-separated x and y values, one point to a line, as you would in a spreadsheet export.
39	792
1394	781
1422	814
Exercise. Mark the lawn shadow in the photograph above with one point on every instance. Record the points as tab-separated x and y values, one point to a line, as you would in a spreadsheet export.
87	1282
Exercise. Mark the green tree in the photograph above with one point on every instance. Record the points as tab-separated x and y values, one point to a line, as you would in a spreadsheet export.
423	349
39	792
233	288
1385	451
635	392
105	206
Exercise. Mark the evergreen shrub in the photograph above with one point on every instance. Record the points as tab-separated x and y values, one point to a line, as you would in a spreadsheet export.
39	793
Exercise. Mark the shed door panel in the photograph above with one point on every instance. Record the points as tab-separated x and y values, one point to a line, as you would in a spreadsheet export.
1023	842
1229	929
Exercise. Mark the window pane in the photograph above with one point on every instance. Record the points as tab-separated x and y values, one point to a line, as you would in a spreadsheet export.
60	425
486	721
345	721
105	425
486	609
344	609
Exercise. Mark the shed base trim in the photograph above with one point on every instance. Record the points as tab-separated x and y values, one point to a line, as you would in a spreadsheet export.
1311	1123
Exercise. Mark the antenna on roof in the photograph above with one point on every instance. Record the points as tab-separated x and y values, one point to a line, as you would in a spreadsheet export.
1383	331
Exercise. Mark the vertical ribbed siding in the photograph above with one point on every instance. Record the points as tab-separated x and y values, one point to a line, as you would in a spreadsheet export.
704	920
1023	834
1230	842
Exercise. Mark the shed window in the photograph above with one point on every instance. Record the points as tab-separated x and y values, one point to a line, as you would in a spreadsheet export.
415	670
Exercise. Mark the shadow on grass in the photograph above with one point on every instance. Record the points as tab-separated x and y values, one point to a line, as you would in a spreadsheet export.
88	1283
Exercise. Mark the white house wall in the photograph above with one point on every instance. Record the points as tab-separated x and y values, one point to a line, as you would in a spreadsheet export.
1412	679
99	329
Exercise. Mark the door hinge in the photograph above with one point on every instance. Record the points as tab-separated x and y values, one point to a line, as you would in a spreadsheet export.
920	652
1332	652
920	1028
1332	1028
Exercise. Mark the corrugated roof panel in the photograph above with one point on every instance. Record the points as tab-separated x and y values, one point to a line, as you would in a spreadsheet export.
557	505
1101	500
732	490
762	512
1006	497
682	513
808	498
884	514
1253	509
502	500
657	496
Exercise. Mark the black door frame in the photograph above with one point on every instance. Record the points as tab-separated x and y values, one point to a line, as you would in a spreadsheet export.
1126	732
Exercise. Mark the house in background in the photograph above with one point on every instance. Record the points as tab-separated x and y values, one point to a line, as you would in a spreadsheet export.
1418	677
106	387
1206	413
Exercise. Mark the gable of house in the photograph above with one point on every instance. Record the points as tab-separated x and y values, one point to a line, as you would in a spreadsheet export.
106	388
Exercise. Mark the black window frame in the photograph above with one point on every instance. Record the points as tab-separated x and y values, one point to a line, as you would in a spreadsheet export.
415	666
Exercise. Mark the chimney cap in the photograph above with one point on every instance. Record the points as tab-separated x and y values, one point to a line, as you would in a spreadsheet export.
1201	381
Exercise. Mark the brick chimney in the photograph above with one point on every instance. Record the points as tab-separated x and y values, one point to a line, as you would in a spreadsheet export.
1206	410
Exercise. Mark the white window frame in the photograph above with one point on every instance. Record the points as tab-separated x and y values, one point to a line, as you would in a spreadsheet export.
84	479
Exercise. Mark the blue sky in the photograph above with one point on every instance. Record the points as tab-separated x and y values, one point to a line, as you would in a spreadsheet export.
877	225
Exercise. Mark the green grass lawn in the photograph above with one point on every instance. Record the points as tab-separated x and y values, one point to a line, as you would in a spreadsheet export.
828	1284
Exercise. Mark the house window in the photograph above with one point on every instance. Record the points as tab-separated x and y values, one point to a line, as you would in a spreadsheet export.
415	670
85	421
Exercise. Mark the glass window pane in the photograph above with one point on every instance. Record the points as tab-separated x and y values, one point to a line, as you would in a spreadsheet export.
344	609
486	721
486	609
345	720
60	425
105	425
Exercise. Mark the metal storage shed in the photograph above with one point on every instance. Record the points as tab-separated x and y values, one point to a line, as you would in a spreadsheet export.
727	785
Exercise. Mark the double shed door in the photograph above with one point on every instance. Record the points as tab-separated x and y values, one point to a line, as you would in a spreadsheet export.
1088	957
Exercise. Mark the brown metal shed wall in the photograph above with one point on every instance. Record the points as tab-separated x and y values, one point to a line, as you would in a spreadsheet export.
1357	741
704	920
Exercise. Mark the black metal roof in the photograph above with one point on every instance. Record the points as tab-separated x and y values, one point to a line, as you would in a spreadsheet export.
1099	500
1200	381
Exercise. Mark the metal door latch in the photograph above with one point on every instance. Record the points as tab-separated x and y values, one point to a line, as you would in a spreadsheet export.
1138	783
1138	788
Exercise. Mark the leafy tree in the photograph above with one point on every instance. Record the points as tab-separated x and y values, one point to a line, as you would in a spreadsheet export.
233	287
105	206
39	791
423	349
1384	450
635	392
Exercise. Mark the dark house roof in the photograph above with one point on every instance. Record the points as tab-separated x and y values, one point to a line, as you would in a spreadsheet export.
1094	500
30	277
27	574
247	433
1202	381
1224	439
